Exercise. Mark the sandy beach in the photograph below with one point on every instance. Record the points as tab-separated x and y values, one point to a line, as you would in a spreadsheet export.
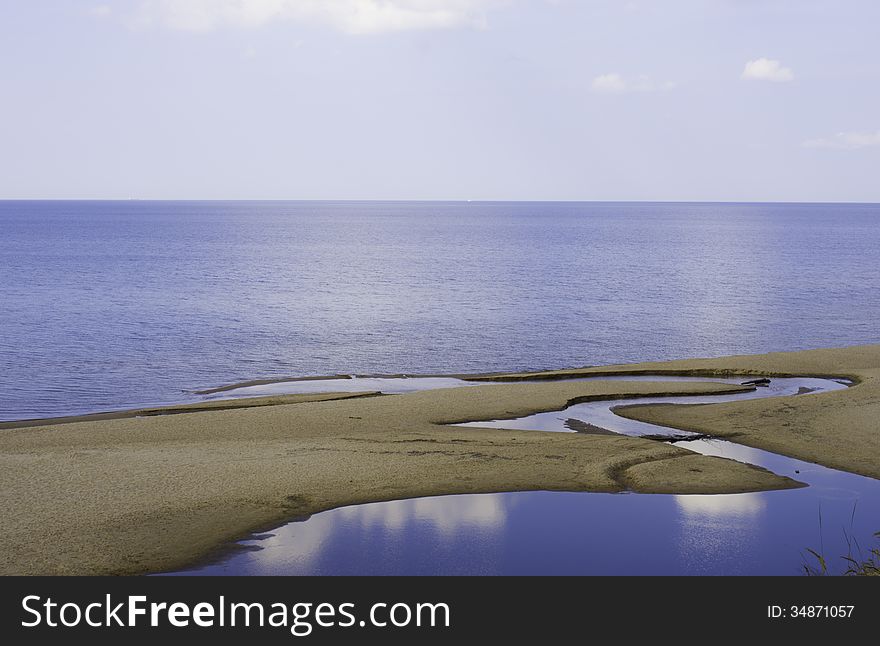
156	489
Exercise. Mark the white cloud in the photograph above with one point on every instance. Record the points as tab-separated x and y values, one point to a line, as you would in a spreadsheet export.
100	10
614	83
846	141
765	69
609	84
351	16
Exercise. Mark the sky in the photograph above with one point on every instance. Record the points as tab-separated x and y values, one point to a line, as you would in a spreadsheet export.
715	100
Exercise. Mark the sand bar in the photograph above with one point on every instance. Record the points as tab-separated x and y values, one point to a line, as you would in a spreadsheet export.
137	494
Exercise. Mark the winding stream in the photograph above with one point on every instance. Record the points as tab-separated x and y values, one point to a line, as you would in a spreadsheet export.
543	532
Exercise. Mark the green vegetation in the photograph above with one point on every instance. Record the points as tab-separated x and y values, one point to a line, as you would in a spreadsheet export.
858	564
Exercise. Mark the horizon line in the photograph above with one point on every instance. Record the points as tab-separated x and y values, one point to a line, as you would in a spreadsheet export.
432	200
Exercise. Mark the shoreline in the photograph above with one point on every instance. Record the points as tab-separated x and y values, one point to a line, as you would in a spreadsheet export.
135	494
180	409
561	374
531	375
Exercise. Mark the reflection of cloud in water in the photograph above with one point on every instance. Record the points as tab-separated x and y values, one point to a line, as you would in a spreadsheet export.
298	545
715	528
742	504
447	514
727	450
298	542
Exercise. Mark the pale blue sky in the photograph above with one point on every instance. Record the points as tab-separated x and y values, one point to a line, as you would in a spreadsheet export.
441	99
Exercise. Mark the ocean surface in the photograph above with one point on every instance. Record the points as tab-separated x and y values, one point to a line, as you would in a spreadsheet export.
108	305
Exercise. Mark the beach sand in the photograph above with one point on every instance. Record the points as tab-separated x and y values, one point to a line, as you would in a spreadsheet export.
136	493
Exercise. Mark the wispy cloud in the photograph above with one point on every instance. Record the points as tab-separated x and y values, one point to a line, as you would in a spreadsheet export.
351	16
614	83
766	69
101	10
846	141
609	84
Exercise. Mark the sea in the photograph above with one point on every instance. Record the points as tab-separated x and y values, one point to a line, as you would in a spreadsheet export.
115	304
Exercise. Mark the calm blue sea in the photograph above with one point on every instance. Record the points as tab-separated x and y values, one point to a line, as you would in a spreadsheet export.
115	304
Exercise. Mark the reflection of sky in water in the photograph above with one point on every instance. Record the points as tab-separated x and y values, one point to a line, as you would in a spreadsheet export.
584	533
553	533
709	507
448	514
560	533
300	544
425	533
708	525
